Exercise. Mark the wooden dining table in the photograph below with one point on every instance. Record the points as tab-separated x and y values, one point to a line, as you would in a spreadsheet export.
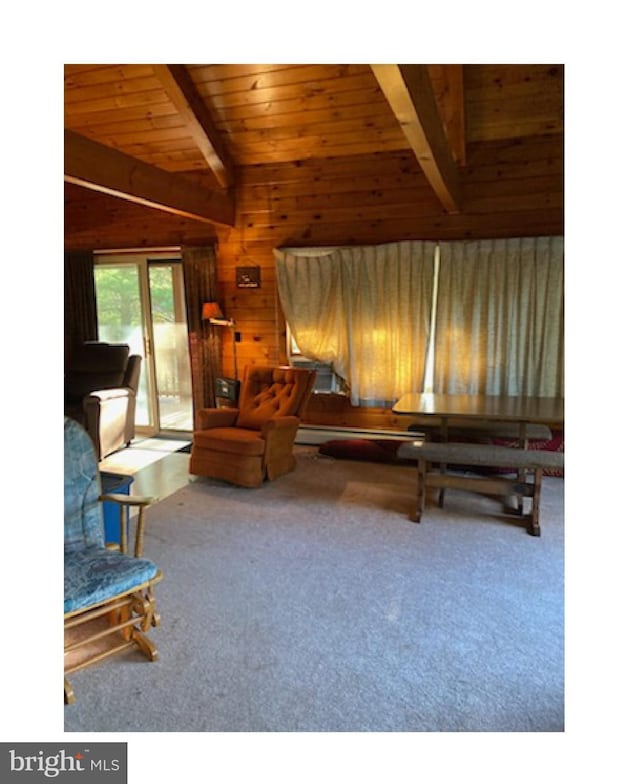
521	410
446	412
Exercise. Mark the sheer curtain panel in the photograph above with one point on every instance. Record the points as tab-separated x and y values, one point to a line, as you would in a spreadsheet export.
500	317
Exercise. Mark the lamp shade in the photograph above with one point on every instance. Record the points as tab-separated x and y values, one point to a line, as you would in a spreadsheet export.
212	310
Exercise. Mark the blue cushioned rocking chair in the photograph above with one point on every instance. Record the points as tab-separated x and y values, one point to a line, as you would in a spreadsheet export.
108	594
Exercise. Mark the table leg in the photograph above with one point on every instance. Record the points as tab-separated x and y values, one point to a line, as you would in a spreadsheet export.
444	437
422	478
522	443
534	521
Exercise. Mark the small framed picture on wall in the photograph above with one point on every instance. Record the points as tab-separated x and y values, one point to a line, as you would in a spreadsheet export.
248	277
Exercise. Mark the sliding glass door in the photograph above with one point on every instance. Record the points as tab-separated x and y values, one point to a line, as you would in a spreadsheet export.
140	302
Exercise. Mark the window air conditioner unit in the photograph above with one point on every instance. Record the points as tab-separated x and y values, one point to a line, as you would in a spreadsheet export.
326	380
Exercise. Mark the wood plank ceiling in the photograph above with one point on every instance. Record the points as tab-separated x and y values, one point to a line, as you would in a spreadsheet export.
180	137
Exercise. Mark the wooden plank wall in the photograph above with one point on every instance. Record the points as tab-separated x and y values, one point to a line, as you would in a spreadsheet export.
510	188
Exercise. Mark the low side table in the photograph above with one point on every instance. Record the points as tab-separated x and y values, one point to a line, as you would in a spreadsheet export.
114	483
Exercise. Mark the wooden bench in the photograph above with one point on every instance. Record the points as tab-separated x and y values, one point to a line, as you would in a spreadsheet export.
524	461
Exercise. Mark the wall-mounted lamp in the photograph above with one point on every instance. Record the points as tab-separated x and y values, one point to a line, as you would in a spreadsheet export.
212	312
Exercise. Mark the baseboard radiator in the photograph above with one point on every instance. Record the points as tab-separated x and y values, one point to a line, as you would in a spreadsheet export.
320	434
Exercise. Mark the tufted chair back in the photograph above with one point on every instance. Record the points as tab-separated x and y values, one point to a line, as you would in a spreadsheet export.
269	392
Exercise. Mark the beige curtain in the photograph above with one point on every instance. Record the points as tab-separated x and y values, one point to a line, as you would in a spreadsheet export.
199	269
366	310
500	317
80	313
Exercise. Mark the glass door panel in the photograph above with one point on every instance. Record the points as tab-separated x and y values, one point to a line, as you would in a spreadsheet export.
170	346
121	320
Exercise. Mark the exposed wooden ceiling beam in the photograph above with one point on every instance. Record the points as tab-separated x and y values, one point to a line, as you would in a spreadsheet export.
100	168
448	84
408	90
179	86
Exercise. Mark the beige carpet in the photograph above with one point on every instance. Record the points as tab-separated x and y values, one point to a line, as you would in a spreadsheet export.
313	604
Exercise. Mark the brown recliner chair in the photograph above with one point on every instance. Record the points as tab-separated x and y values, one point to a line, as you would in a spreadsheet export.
100	388
254	441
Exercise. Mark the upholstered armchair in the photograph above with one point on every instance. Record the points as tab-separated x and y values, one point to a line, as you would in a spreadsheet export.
100	388
253	442
108	592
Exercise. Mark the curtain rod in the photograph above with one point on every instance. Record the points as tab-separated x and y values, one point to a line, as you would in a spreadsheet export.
112	251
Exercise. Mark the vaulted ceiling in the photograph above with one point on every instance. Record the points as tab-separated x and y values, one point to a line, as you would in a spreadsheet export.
179	137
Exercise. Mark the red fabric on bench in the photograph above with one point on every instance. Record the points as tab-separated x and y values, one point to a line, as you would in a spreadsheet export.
555	444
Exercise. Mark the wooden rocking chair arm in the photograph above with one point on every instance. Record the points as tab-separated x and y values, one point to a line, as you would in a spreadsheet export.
127	500
142	502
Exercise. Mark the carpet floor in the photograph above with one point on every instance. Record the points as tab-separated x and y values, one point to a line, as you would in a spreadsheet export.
313	604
